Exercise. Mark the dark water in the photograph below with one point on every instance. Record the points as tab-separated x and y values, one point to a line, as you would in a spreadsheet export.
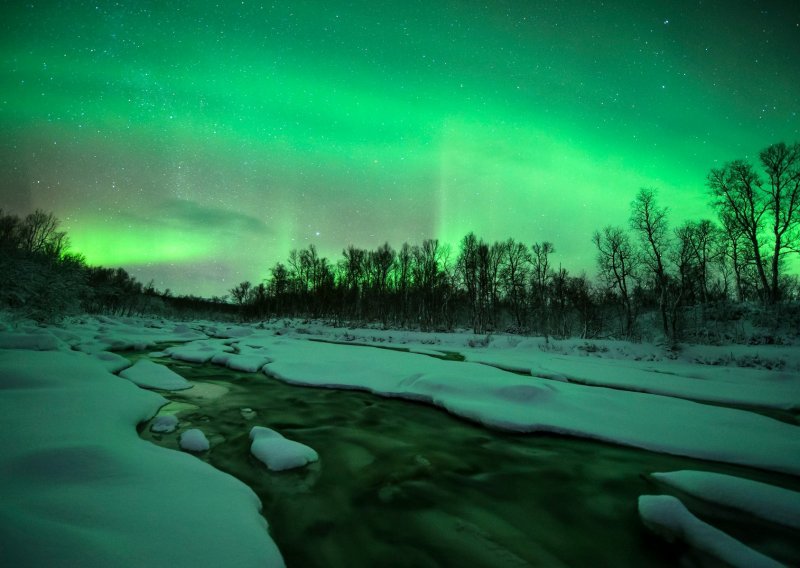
403	484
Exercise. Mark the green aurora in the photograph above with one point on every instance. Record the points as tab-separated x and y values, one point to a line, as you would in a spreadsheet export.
196	143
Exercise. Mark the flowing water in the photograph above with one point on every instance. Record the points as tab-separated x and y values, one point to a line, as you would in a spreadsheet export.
404	484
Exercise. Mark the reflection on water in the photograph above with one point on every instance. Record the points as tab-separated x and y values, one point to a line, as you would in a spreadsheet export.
403	484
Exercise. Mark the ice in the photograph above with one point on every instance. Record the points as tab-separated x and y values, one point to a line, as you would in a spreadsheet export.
148	374
164	423
78	487
668	517
193	440
760	499
278	453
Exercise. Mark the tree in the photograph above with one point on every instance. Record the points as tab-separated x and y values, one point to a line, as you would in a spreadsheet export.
737	197
782	166
742	199
650	223
514	275
540	262
241	293
617	263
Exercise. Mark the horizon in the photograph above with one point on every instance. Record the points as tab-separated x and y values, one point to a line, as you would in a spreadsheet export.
197	146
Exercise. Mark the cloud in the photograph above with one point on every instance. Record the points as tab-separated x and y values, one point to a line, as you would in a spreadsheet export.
190	216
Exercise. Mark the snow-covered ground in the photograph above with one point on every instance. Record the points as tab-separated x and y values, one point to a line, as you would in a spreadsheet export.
78	487
630	394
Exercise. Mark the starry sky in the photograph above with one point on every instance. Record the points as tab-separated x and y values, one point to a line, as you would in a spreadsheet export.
196	143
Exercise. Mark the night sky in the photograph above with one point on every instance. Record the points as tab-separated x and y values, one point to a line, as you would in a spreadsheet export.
196	143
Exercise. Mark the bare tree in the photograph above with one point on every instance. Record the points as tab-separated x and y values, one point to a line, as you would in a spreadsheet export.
514	274
540	277
736	189
241	293
782	166
617	264
744	201
650	223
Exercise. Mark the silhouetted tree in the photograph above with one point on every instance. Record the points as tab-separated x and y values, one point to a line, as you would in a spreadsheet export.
650	223
617	264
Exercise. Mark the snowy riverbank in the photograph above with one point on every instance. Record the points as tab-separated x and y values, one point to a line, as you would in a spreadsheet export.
68	469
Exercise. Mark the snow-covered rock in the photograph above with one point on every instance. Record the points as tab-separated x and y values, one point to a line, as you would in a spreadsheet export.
278	453
148	374
164	424
667	517
193	440
198	351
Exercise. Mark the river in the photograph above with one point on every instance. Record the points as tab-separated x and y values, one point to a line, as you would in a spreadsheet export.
405	484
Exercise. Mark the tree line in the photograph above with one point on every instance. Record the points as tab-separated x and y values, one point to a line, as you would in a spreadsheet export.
41	279
645	267
675	277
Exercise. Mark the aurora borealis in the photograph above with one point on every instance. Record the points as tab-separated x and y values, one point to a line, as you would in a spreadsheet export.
196	143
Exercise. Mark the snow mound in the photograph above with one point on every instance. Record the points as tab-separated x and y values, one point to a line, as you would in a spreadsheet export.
112	362
249	363
278	453
772	503
151	375
164	424
193	440
667	517
198	351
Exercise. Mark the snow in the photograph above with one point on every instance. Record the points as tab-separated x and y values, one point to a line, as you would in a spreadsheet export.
193	440
745	387
112	362
772	503
668	517
533	404
249	362
530	404
42	341
164	423
151	375
200	351
78	487
65	472
278	453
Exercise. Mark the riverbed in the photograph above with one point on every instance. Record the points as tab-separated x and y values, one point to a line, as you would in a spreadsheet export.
400	483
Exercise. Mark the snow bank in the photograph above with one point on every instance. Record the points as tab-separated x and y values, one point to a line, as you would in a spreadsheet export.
39	341
726	385
772	503
193	440
278	453
530	404
78	487
668	517
151	375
